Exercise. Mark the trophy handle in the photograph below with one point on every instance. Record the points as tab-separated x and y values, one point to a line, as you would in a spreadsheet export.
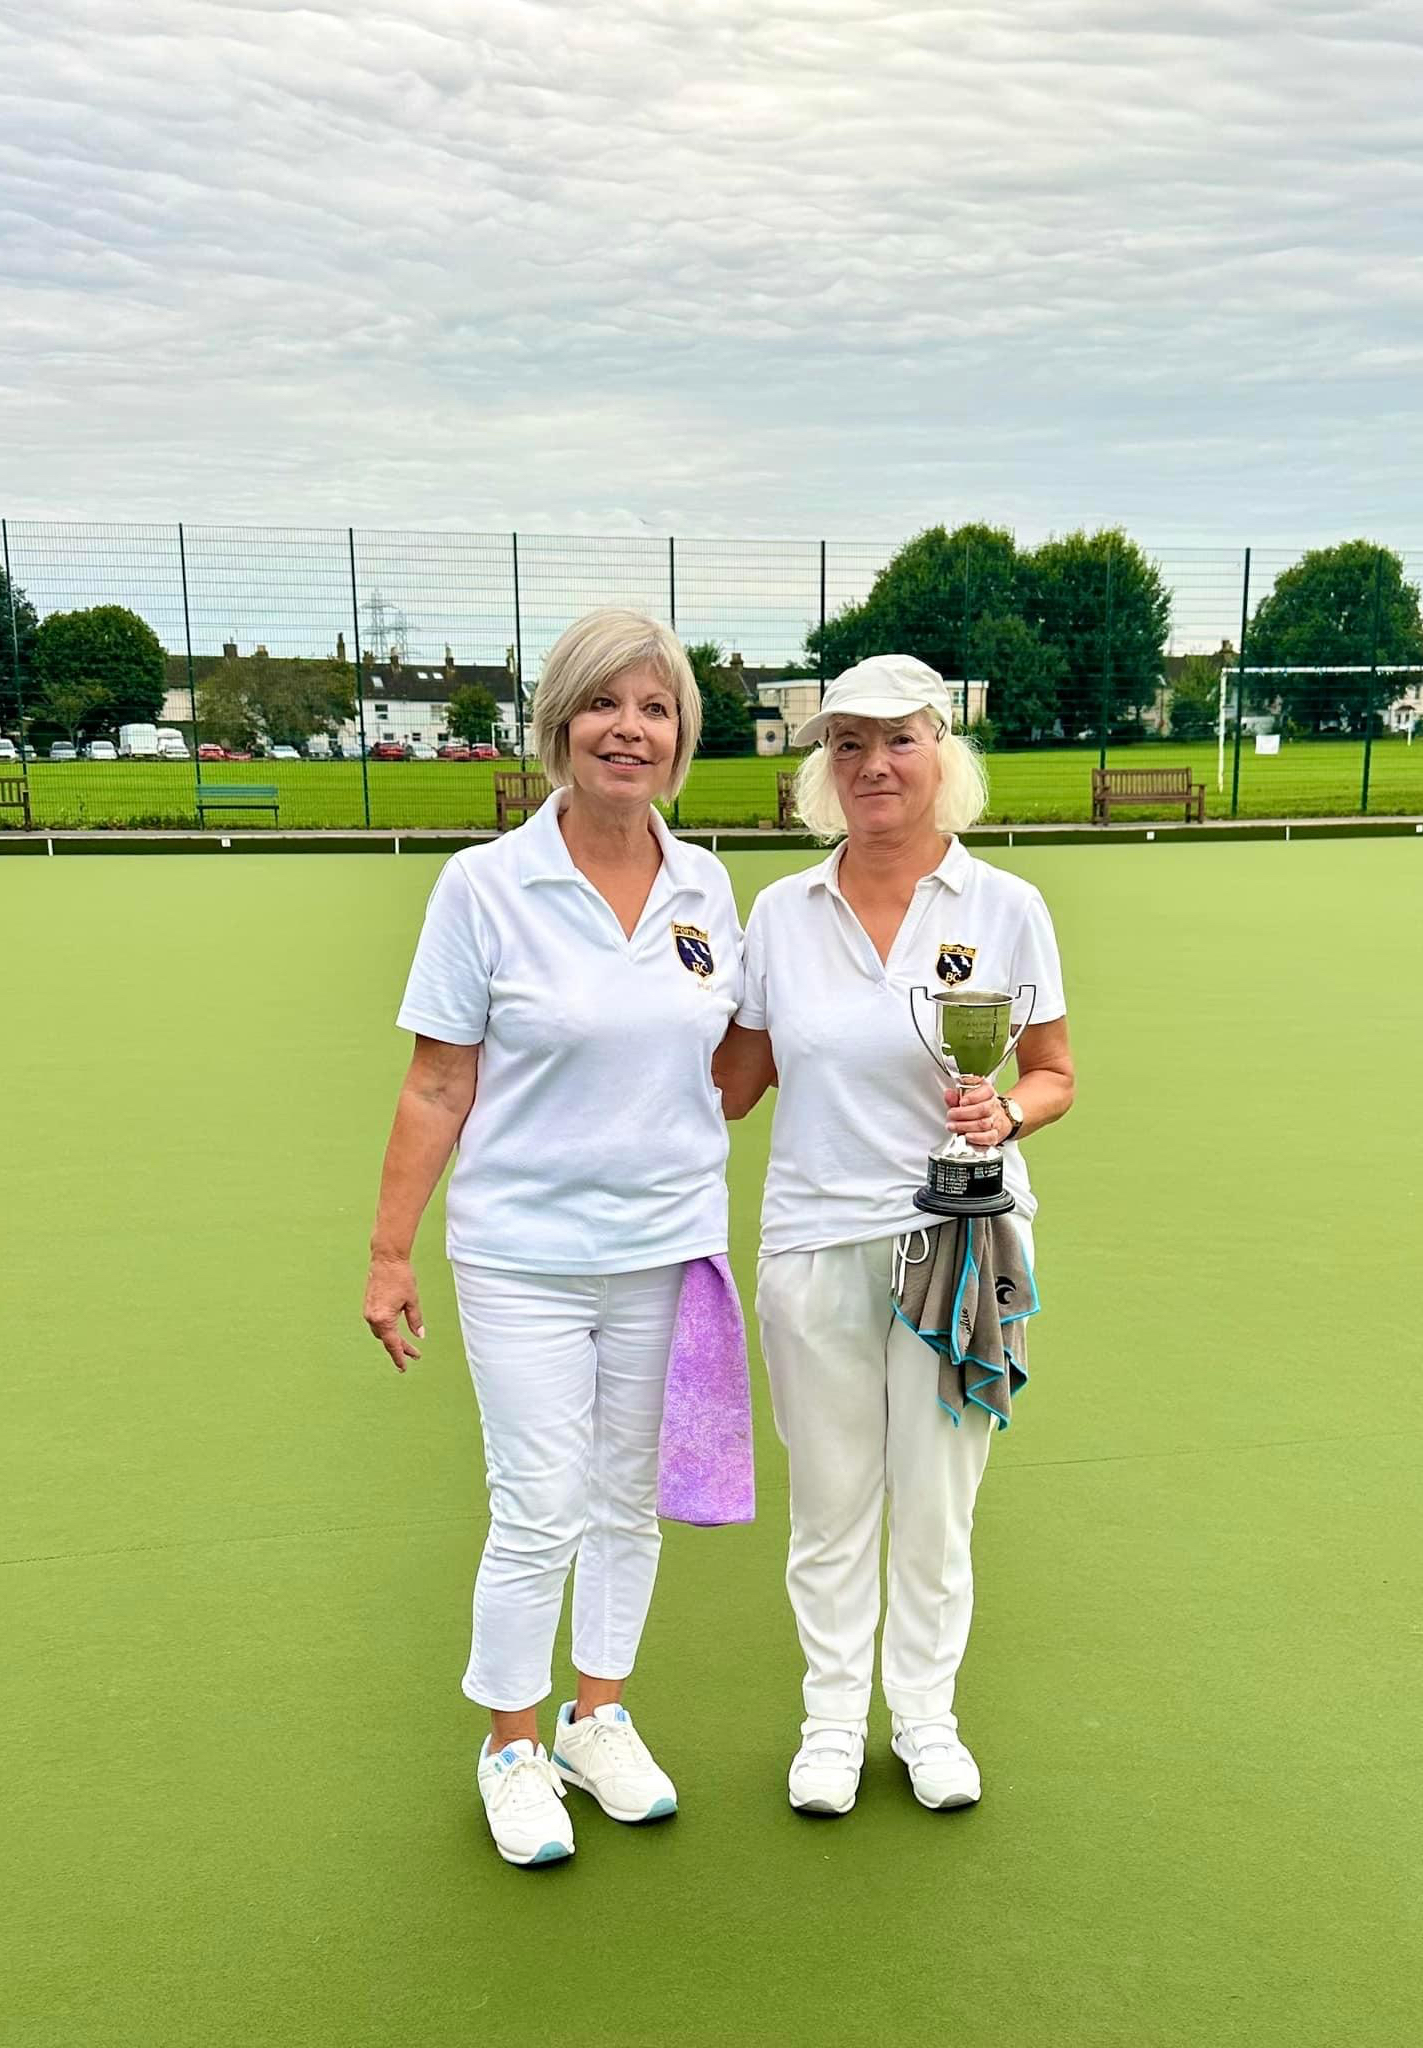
935	1053
1012	1045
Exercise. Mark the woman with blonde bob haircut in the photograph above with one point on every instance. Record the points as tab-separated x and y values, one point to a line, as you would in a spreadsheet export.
570	985
832	955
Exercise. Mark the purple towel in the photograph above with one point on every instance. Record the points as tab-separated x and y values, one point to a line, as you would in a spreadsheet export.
705	1472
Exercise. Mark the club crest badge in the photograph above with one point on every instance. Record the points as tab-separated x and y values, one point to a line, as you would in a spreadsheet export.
955	963
694	950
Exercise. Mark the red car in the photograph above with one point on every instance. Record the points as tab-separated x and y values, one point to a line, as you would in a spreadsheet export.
211	751
455	750
484	753
387	750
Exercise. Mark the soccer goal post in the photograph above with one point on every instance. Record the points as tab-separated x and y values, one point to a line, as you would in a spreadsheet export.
1382	668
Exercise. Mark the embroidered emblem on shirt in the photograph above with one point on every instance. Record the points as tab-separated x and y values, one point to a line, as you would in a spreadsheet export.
955	963
694	950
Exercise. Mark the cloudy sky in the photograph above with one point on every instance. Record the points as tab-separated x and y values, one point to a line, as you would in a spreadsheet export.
762	267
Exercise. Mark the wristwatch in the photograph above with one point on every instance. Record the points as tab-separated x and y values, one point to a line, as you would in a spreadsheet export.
1014	1115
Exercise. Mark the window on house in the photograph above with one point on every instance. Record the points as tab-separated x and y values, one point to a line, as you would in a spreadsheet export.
382	711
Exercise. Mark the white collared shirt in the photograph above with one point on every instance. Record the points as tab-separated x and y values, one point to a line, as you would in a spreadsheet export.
596	1143
860	1104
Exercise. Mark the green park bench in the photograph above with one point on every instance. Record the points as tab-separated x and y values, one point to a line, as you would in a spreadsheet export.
237	796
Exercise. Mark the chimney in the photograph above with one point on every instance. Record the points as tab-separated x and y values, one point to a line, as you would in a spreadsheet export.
394	660
261	652
736	661
449	663
340	647
229	650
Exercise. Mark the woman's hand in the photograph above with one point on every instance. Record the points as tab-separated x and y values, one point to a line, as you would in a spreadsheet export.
976	1113
390	1293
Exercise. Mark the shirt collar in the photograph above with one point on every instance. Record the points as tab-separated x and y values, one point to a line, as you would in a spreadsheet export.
544	856
952	870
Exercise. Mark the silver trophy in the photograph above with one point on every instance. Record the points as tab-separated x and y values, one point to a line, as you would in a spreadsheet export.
974	1039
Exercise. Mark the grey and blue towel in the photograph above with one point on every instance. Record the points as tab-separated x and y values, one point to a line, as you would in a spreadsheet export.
965	1287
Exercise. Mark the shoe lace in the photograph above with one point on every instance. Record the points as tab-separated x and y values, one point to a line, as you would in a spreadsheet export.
526	1783
622	1740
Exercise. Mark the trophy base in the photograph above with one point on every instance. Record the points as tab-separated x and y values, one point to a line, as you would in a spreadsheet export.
964	1187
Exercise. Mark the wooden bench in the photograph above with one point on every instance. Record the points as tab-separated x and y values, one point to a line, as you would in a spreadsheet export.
785	798
1163	787
237	796
517	789
15	796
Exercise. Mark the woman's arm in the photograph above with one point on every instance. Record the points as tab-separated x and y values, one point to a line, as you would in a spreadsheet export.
743	1069
435	1098
1043	1091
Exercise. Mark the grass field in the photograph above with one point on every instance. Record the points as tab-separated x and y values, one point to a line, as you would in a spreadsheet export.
237	1549
1314	778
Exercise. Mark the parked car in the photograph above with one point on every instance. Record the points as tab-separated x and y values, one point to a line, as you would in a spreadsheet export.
388	750
211	751
283	754
318	747
64	750
238	756
101	750
173	750
484	753
138	742
7	751
456	750
421	750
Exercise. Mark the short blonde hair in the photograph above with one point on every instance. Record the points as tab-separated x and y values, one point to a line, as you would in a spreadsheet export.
961	801
595	649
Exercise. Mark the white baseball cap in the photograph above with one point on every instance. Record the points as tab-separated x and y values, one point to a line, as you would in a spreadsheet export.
884	686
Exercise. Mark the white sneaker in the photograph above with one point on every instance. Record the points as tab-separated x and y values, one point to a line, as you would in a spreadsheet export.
604	1754
940	1769
825	1770
523	1803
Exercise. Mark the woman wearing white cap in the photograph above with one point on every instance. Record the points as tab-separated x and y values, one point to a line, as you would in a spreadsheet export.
582	970
831	955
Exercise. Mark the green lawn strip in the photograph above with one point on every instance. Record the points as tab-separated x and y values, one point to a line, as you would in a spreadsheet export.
1308	778
238	1548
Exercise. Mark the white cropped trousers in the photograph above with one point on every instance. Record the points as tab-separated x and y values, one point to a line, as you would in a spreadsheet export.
856	1405
569	1375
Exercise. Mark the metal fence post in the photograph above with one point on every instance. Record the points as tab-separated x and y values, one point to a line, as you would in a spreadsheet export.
820	644
360	683
1373	682
518	657
15	655
672	582
967	658
1106	666
1240	687
192	687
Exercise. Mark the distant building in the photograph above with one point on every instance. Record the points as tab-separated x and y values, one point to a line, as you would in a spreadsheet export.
793	699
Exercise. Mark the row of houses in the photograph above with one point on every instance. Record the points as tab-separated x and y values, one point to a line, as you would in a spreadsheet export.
408	699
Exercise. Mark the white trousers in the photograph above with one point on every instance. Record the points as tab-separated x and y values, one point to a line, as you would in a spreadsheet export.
855	1395
569	1374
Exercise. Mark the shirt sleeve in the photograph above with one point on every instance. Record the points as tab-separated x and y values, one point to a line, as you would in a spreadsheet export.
447	994
1035	959
752	1014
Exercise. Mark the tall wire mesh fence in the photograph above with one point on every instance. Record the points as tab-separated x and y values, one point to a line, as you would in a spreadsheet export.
313	678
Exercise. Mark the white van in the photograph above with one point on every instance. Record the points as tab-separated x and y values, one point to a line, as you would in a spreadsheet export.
138	742
171	744
318	747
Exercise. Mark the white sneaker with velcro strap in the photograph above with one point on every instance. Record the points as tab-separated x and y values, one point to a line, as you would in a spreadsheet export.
603	1754
825	1770
941	1770
523	1803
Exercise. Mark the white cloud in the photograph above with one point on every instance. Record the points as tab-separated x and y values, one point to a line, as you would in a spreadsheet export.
752	266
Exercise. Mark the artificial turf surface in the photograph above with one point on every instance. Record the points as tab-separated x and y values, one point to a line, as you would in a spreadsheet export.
238	1549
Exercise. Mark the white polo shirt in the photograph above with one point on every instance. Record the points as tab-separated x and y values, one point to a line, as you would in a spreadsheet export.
860	1103
596	1142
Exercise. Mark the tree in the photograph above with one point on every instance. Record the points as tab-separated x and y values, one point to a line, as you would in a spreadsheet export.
244	698
726	715
1321	610
931	600
76	708
108	650
1023	674
1066	600
1195	695
473	713
22	642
